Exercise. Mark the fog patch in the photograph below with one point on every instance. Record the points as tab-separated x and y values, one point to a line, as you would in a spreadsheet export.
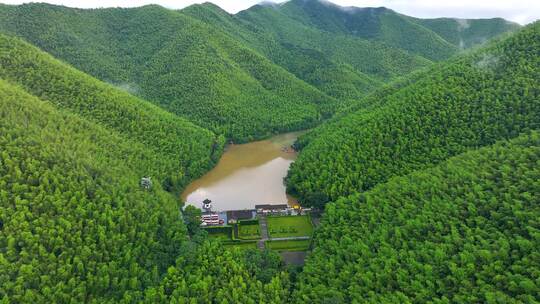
131	88
488	62
351	9
462	24
348	9
329	4
270	4
481	40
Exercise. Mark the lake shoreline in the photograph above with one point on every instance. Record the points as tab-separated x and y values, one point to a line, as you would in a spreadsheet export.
246	175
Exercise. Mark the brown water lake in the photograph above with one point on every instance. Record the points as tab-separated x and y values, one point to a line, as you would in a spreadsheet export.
246	175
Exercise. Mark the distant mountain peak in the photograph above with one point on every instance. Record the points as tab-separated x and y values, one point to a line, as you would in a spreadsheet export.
347	9
207	6
270	4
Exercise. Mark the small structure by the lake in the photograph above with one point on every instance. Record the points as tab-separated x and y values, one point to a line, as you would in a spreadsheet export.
278	227
278	209
213	218
233	216
210	218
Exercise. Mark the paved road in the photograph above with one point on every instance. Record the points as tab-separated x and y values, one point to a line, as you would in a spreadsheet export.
290	238
264	231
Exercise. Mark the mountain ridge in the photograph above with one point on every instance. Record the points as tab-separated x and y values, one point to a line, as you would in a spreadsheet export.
202	95
297	75
369	145
423	163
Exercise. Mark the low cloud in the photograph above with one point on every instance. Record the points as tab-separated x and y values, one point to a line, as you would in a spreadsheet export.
487	62
463	24
131	88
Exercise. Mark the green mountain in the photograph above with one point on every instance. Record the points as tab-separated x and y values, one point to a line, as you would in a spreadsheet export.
372	58
75	223
432	167
434	39
466	103
265	70
177	151
183	65
465	231
344	52
76	226
377	24
337	79
466	33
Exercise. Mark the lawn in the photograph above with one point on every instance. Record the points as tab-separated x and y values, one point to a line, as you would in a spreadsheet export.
249	231
293	245
222	233
289	226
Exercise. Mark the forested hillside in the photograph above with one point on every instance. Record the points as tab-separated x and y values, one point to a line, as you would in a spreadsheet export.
379	24
266	70
466	231
215	81
434	39
177	150
466	33
466	103
428	171
210	274
77	227
75	224
285	43
344	52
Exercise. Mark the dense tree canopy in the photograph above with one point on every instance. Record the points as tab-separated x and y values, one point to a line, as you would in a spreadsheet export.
77	227
379	24
469	102
209	274
466	231
465	33
263	71
188	68
179	150
376	42
430	183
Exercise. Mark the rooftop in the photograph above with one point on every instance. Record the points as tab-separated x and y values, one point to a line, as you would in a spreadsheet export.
272	207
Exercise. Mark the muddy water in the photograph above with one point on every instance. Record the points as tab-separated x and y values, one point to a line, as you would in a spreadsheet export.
246	175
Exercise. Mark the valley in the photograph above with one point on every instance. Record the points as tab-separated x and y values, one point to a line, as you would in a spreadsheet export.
247	175
300	152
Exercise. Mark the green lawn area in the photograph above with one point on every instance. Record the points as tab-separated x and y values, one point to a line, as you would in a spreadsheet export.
287	226
222	233
219	235
241	245
249	231
294	245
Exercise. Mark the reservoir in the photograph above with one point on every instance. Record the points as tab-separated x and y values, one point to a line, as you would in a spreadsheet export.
247	175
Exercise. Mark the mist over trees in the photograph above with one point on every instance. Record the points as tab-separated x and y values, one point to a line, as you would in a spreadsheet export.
424	156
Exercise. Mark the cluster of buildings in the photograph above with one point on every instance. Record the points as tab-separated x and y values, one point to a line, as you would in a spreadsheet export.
212	218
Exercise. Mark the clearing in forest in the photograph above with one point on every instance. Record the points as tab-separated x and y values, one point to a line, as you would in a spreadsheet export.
289	226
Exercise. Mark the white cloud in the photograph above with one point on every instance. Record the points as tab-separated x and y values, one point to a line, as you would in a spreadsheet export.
521	11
